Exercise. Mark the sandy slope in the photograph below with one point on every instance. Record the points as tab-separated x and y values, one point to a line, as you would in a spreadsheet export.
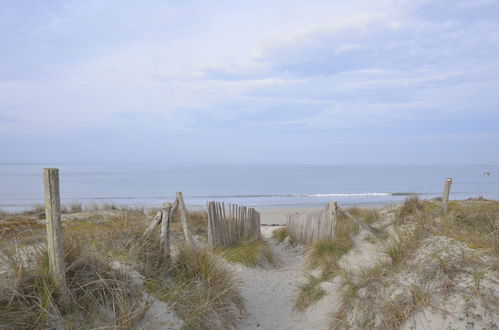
269	293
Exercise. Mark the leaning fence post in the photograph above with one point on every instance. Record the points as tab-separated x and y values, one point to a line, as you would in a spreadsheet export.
183	217
445	197
54	233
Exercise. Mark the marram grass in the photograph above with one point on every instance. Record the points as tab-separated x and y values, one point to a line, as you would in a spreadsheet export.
250	253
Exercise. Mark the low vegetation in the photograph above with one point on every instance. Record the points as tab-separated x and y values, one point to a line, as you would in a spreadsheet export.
200	289
99	296
437	259
324	256
251	253
280	234
192	282
309	293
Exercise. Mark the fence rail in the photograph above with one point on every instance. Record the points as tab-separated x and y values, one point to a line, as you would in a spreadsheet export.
229	226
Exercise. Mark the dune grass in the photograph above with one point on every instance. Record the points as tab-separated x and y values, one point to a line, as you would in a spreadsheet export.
251	253
99	296
324	256
202	292
422	230
280	234
309	294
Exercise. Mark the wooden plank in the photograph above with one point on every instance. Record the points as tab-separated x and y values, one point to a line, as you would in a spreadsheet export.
210	224
446	194
153	225
55	247
183	217
164	235
376	232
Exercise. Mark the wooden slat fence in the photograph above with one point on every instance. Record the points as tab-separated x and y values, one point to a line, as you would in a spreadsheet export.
309	227
228	226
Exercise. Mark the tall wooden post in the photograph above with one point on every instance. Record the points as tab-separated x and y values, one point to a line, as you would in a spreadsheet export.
331	210
164	235
183	217
54	233
445	197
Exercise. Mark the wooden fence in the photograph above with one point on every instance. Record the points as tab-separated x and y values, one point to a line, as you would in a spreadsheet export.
161	223
229	226
310	227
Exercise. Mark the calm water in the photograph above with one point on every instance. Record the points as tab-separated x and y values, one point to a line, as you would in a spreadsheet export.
263	186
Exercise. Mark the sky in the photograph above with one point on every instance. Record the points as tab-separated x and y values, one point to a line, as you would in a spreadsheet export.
287	82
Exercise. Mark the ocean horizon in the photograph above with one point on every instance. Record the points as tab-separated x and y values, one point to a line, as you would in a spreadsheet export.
260	186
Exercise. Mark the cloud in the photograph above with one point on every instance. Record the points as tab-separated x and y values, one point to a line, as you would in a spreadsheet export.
262	68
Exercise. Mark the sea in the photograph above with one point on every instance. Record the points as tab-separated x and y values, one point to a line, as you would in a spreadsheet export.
260	186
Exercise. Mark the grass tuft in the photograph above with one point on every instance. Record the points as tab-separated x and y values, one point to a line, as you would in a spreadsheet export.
411	206
250	253
202	292
310	293
280	234
99	296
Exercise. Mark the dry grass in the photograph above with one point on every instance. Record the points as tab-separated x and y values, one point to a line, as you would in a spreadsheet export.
476	223
412	205
310	293
280	234
427	259
74	207
199	289
325	256
99	296
251	253
369	215
202	292
197	221
21	226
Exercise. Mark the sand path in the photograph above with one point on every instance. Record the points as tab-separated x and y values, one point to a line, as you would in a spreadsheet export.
270	293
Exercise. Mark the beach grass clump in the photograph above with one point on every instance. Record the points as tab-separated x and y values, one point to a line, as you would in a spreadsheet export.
198	222
280	234
411	206
309	294
98	295
325	256
74	207
251	253
368	215
3	213
201	291
475	222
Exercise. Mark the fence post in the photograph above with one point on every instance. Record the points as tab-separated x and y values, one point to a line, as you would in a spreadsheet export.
164	235
331	210
55	247
445	197
183	217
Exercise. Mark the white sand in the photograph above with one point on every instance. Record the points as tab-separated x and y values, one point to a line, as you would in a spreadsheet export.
270	293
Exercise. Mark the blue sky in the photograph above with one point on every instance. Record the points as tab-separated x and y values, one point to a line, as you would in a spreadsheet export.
387	81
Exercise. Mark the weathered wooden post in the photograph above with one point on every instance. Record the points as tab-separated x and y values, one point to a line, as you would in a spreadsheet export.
183	217
331	215
445	197
54	233
164	235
